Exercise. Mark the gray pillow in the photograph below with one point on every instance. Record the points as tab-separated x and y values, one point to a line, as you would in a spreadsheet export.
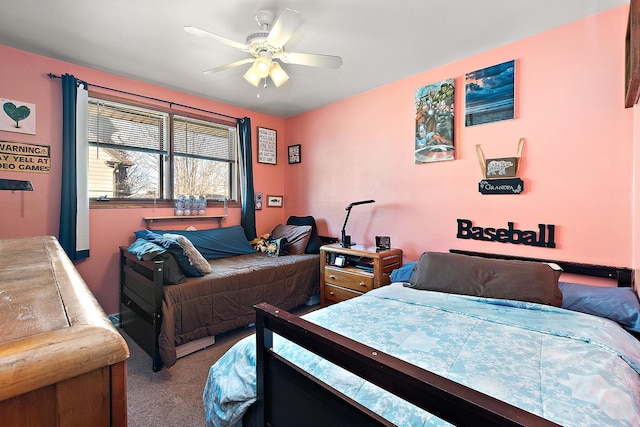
196	259
492	278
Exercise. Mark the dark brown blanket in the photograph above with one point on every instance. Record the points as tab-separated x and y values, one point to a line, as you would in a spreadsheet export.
223	300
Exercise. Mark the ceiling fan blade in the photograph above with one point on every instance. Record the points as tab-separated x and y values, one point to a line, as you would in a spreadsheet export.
287	23
226	67
311	59
198	32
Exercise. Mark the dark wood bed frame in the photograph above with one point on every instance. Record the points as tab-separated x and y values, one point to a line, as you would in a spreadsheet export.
288	396
141	293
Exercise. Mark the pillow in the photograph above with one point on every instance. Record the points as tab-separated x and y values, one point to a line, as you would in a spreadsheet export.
297	236
313	246
214	242
145	250
403	274
277	247
171	273
492	278
618	304
173	247
196	259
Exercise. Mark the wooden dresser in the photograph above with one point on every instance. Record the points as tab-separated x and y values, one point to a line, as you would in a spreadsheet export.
359	269
62	363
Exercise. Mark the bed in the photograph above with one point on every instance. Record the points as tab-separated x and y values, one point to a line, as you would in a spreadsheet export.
401	355
178	289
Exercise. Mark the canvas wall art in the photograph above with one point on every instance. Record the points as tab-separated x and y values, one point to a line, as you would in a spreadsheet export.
434	122
490	94
17	116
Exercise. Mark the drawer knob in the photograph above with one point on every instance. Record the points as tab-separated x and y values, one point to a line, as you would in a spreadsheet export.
331	293
331	276
362	284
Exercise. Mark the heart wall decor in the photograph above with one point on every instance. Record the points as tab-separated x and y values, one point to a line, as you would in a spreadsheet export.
17	116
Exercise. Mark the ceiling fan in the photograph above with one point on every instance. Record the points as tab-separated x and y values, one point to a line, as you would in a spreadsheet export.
267	46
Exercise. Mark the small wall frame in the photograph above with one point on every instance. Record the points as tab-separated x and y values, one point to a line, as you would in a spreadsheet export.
274	201
295	154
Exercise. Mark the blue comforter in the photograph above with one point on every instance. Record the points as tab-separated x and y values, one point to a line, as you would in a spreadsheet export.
572	368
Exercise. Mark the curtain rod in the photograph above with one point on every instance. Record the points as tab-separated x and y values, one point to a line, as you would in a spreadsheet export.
171	103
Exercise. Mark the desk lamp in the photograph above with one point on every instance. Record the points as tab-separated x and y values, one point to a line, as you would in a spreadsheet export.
346	240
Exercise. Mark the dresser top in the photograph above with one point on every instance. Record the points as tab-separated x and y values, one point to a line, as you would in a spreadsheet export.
29	293
52	327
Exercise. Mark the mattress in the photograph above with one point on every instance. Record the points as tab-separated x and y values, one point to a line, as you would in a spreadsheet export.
572	368
223	299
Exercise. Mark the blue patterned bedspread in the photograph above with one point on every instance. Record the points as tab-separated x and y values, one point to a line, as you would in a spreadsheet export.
572	368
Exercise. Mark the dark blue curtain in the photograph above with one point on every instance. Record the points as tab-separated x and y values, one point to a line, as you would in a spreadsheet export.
67	233
248	215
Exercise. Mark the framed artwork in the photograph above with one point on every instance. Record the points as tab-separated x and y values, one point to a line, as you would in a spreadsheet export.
490	94
274	201
434	116
295	155
267	140
17	116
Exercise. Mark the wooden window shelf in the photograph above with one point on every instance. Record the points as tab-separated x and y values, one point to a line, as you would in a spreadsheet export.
150	219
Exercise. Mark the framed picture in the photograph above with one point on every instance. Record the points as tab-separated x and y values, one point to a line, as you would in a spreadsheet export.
274	201
490	94
434	114
17	116
295	156
267	152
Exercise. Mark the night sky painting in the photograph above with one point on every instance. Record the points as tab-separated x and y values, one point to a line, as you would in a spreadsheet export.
490	94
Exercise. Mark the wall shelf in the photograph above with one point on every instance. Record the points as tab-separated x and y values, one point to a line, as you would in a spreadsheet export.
150	219
15	185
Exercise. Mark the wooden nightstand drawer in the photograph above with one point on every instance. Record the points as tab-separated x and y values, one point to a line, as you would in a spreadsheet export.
356	280
337	294
364	268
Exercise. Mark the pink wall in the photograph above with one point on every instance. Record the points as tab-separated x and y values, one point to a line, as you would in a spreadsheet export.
23	78
577	160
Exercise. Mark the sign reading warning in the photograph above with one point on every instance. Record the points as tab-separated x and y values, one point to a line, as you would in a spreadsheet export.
20	157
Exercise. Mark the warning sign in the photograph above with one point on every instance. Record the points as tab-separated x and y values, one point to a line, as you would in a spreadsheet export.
20	157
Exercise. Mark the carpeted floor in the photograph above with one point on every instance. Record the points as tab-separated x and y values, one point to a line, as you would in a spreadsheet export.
173	397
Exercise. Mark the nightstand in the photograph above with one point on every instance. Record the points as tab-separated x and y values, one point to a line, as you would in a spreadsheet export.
350	272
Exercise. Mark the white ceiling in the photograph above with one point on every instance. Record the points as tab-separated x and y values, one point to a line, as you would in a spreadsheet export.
379	41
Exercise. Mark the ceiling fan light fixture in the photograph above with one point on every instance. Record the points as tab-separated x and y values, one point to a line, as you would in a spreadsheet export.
267	44
251	76
278	75
262	64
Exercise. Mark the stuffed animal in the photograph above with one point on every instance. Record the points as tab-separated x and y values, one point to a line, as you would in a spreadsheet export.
260	244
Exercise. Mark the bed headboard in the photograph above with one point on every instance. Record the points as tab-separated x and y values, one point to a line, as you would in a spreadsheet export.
622	275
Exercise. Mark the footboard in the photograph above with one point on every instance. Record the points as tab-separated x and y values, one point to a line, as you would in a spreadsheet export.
289	396
141	291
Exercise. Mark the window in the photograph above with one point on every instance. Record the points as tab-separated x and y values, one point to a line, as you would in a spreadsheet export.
204	158
141	153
